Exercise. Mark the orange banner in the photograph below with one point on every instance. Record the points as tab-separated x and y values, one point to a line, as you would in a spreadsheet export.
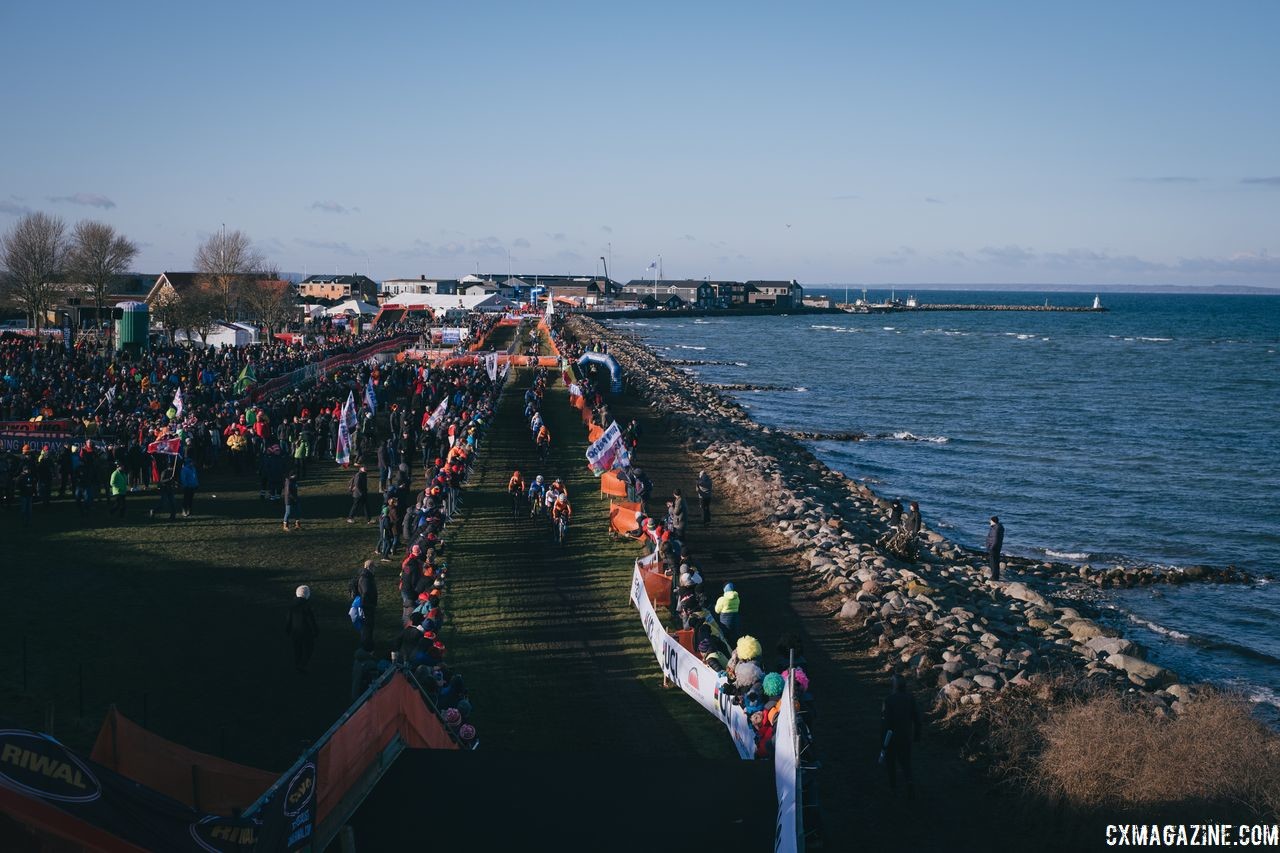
204	782
397	708
611	484
622	516
658	587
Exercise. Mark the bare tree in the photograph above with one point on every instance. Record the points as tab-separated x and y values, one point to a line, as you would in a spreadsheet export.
270	302
98	254
225	261
33	252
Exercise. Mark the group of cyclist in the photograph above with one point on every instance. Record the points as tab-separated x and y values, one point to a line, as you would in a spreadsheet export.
539	498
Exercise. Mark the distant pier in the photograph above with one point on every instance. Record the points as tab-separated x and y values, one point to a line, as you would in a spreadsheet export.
899	308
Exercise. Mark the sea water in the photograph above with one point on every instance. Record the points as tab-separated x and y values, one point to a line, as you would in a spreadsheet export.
1149	434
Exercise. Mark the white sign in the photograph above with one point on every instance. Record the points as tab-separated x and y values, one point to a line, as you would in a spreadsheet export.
786	770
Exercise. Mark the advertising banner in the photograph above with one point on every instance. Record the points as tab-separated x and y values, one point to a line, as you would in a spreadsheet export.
786	772
55	434
47	786
694	677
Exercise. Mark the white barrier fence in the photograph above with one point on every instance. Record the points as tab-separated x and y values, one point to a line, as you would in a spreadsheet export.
705	685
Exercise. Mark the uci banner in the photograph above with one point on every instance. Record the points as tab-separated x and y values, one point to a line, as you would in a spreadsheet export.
694	677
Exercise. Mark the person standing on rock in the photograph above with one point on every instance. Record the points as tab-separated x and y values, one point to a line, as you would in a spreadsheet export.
900	725
704	496
995	541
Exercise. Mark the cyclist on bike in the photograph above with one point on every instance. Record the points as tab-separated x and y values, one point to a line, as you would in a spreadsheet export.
543	440
515	487
552	494
561	513
536	492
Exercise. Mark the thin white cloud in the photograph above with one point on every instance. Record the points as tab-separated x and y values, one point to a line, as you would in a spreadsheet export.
1271	181
86	199
13	208
333	207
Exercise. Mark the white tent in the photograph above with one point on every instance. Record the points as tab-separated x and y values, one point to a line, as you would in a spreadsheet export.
222	334
352	307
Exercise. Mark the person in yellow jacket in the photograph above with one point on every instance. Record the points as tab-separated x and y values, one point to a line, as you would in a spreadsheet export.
727	611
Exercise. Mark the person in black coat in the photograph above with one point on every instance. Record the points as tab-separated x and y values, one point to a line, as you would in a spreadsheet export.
900	726
995	541
302	628
365	585
360	495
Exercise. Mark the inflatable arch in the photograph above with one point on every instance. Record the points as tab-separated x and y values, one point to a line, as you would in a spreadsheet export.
615	369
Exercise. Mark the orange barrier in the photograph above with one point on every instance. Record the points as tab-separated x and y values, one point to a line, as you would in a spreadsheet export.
593	432
576	401
685	638
658	587
396	708
622	517
542	327
611	484
204	782
586	415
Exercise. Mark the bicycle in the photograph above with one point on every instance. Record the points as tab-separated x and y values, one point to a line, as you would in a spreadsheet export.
562	530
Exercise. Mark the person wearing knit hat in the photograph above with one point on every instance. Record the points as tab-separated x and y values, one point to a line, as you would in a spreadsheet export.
773	685
727	606
302	628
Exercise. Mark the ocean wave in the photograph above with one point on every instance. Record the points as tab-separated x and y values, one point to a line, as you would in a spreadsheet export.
1257	693
1066	555
1154	340
1157	628
903	435
739	364
889	328
802	389
687	346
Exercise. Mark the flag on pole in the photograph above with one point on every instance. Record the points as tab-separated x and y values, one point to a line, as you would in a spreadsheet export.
178	405
342	453
370	395
247	379
111	395
168	446
437	414
349	416
653	265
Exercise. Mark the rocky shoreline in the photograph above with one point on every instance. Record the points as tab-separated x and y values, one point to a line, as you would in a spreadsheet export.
938	618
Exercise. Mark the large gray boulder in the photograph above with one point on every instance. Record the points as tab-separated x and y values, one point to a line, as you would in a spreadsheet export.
1141	672
1022	592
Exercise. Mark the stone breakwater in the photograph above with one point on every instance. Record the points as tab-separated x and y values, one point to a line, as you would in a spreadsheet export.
939	619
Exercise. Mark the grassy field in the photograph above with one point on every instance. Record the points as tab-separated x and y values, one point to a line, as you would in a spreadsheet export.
182	623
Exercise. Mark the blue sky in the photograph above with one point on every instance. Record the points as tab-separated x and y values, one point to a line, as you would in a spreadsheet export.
843	142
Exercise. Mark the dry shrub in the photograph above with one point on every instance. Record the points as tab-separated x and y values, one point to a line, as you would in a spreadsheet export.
1107	752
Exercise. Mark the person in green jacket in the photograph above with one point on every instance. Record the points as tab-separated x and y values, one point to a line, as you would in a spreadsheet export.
301	450
119	490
